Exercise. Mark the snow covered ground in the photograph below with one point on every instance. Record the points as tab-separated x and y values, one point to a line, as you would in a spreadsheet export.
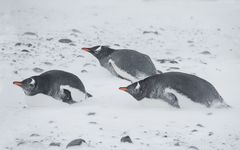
201	36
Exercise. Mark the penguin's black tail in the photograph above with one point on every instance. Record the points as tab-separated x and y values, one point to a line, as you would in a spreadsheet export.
89	95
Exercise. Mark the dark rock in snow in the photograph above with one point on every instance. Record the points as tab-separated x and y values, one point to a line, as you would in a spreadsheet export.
76	142
76	31
65	41
29	45
55	144
189	41
210	133
18	44
91	114
194	130
34	135
83	71
37	70
48	63
30	33
193	148
205	53
92	122
173	68
126	139
171	61
24	50
177	144
200	125
153	32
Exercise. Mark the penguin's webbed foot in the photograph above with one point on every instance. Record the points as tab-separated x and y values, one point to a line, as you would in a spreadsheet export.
171	99
66	97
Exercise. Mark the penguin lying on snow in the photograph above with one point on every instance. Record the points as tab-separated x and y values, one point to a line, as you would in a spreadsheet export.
127	64
161	87
55	83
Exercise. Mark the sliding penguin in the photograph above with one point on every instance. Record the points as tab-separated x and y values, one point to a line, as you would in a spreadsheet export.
163	86
126	64
55	83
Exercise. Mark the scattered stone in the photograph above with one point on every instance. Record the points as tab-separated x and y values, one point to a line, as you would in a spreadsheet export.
177	144
18	44
49	39
171	61
24	50
55	144
30	33
209	114
29	45
37	70
165	136
173	68
126	139
83	71
48	63
21	143
189	41
210	133
50	121
92	122
200	125
80	56
34	135
65	41
116	44
72	44
193	148
88	64
150	32
91	114
76	31
76	142
205	53
194	130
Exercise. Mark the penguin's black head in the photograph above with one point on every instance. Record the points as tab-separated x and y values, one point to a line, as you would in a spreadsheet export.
28	85
99	51
136	89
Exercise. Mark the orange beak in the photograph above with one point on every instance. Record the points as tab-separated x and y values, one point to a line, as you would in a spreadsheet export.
18	83
86	49
123	89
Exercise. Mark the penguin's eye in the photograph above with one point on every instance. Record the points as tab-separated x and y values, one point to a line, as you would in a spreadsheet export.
32	83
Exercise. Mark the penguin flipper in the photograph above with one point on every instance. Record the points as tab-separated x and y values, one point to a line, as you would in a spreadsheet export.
67	97
171	99
113	71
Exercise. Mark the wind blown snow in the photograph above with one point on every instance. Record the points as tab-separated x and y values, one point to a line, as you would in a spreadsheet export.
198	37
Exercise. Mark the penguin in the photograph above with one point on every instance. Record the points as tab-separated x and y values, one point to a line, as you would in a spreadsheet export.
163	86
124	63
55	83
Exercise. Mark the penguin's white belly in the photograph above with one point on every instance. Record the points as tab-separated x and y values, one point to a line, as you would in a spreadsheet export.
183	100
76	94
124	74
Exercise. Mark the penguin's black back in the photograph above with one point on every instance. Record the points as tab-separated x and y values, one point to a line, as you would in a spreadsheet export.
197	89
133	62
56	78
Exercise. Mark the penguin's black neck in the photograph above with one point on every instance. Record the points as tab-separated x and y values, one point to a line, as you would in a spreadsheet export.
105	52
43	85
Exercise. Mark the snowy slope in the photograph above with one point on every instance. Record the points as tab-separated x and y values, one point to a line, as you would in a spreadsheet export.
201	36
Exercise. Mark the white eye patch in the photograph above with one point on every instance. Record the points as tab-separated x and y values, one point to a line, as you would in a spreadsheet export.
32	81
138	86
99	48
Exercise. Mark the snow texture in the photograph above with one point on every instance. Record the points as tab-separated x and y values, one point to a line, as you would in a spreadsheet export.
202	37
